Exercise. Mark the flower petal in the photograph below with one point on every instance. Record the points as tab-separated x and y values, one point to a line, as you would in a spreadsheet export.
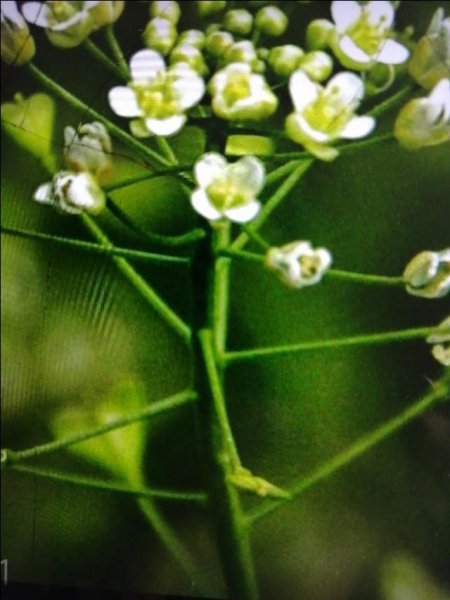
392	53
209	167
351	50
358	127
145	64
248	173
307	131
44	193
203	206
380	11
10	12
165	127
350	88
123	102
440	96
188	85
244	214
303	91
37	13
345	13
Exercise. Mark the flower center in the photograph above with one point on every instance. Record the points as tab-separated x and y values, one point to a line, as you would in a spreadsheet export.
368	35
224	193
157	99
328	113
236	88
309	265
62	11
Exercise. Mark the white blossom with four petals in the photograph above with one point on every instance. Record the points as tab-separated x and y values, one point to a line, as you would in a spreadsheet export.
427	275
298	264
157	96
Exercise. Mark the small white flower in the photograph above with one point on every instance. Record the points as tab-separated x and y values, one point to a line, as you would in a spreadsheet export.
166	9
241	52
17	45
430	61
239	94
72	193
362	32
427	275
190	55
425	121
323	115
192	37
441	343
298	264
156	95
228	190
88	149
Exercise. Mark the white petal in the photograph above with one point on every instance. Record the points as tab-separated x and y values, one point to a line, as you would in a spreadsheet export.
351	88
69	23
325	258
244	214
308	131
203	206
358	127
303	91
44	193
345	13
440	96
249	174
208	168
124	103
91	4
380	11
165	127
350	49
36	13
392	53
145	64
10	12
188	85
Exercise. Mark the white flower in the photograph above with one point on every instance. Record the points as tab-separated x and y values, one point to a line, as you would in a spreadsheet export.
17	45
323	115
298	264
425	121
68	24
156	95
441	343
228	190
239	94
72	193
362	32
428	274
430	61
88	149
166	9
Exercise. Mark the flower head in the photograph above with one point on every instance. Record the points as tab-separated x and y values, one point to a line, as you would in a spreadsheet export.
425	121
361	36
239	94
17	45
228	190
72	193
441	343
298	264
88	149
428	274
430	61
156	95
323	115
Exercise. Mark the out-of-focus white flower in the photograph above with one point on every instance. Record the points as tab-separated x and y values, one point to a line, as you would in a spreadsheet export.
160	35
206	8
192	37
425	121
361	37
67	23
156	95
238	21
218	42
298	264
318	65
242	52
239	94
441	343
323	115
88	149
271	20
190	55
17	45
428	274
166	9
228	190
430	61
284	59
72	193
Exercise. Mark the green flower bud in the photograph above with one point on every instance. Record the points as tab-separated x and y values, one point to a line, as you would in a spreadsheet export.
318	34
166	9
271	21
206	8
238	21
379	79
192	37
284	59
317	65
217	42
160	35
242	52
190	55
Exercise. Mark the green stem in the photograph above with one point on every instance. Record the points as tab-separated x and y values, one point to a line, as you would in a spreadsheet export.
87	111
96	248
154	409
359	340
139	283
393	101
273	202
166	150
129	181
361	446
95	51
255	237
281	172
116	50
108	486
221	287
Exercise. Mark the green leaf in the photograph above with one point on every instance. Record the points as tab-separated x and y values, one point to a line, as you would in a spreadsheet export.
189	144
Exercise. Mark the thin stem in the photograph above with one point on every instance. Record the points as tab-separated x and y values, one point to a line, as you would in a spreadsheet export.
273	202
281	172
142	150
99	55
255	236
365	443
95	248
221	288
139	283
129	181
393	101
157	408
116	50
184	239
108	486
166	150
359	340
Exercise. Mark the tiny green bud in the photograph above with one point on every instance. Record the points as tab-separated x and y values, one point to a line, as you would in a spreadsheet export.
192	37
160	35
284	59
317	65
217	42
206	8
238	21
318	34
263	53
166	9
243	51
427	275
190	55
271	21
